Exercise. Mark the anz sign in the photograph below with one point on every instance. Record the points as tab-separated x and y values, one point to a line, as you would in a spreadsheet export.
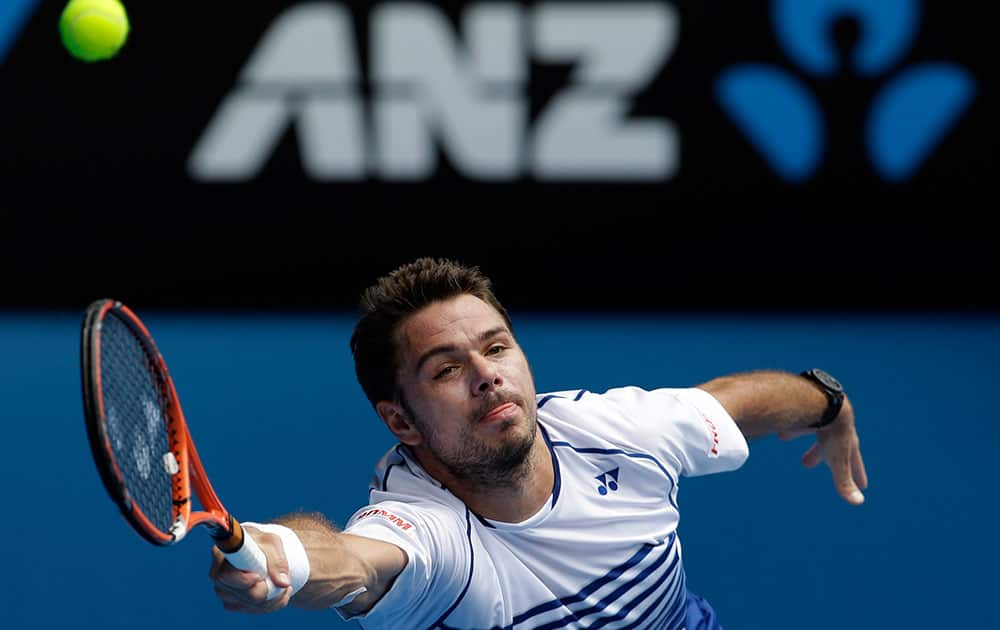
467	94
423	87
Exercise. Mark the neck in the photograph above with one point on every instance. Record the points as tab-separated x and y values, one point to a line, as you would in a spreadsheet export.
519	496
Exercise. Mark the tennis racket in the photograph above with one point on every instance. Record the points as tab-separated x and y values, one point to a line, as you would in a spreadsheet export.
141	444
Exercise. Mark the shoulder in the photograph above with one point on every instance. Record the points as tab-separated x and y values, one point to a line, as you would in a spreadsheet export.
405	501
620	410
626	395
669	423
438	544
631	400
439	561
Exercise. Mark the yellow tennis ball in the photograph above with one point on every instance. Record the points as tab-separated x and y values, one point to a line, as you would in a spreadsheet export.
93	30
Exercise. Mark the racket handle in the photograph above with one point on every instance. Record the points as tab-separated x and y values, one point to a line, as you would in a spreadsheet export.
249	557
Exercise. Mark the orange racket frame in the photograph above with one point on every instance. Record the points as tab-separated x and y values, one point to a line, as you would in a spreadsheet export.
188	473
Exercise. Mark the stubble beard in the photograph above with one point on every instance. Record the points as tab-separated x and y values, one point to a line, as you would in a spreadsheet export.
504	465
477	463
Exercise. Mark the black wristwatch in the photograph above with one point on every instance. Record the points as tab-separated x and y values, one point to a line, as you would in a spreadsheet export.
834	395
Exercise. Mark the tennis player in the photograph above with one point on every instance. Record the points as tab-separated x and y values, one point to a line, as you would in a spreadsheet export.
503	508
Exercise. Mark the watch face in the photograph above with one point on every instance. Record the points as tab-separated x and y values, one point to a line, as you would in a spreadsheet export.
828	380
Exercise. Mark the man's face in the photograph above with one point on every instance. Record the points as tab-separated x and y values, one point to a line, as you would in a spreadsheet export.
467	387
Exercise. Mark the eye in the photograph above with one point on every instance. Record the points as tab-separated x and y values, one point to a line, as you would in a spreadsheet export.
445	371
497	349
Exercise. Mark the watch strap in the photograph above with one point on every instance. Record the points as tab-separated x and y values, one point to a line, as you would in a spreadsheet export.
834	395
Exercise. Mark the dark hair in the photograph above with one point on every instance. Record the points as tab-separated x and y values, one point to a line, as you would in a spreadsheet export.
392	299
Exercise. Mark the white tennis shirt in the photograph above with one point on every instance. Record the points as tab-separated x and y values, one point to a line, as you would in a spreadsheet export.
602	552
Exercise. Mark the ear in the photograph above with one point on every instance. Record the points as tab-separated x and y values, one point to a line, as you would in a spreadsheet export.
398	422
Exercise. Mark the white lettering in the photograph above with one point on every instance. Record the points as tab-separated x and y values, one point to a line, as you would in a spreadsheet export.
619	48
426	83
303	71
459	93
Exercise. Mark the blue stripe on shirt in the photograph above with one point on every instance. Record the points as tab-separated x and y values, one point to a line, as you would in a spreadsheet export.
662	586
594	586
617	594
468	581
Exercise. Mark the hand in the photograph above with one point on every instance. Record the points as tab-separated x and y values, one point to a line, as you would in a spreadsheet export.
837	444
245	591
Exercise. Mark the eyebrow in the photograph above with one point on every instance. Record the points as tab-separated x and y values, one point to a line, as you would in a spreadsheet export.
445	349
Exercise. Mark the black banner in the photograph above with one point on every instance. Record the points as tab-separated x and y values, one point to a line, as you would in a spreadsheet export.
788	154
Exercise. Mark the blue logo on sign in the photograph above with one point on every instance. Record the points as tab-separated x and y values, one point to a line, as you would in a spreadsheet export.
14	15
908	117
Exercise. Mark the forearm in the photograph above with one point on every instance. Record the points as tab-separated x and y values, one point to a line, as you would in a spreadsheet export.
341	565
787	404
767	402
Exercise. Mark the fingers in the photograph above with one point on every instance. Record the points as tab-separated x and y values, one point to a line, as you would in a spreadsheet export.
839	447
842	453
217	560
246	591
277	563
844	480
858	468
812	456
235	602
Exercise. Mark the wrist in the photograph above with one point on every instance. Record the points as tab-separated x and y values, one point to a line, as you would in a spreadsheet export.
833	391
295	552
844	419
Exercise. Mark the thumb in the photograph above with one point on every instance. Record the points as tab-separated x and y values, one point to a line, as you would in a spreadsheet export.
277	563
812	457
274	551
279	575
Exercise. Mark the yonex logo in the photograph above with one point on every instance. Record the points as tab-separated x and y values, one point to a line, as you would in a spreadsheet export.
908	117
607	481
14	15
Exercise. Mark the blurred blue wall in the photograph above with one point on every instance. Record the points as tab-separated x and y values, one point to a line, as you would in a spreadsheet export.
282	425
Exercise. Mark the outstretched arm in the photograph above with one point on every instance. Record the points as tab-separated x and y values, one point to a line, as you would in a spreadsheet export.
341	567
773	402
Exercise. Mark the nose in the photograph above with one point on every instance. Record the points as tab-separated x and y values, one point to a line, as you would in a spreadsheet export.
487	376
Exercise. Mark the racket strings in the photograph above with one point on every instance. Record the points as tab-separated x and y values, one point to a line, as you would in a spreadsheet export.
137	427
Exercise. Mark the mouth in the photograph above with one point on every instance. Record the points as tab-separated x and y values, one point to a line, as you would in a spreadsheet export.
503	411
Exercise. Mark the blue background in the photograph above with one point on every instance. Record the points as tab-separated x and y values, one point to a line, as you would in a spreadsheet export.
282	425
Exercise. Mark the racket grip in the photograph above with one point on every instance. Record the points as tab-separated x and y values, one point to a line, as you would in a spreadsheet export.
249	557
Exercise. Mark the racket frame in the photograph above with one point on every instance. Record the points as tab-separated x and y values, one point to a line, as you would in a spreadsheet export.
221	525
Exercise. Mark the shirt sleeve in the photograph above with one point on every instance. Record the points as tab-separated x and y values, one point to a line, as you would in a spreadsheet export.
437	546
688	426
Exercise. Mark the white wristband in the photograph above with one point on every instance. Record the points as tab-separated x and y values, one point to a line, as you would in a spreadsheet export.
295	552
